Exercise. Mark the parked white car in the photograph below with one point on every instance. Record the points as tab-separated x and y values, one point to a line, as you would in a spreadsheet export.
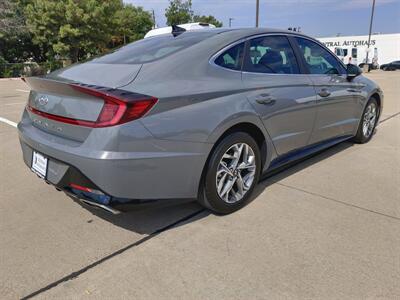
187	26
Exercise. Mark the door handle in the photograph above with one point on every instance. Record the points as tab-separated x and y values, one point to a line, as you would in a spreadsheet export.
265	99
324	93
353	91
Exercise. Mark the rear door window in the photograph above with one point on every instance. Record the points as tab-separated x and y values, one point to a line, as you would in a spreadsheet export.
271	54
153	48
231	58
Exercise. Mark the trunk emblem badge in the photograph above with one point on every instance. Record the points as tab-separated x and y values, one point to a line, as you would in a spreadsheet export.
42	100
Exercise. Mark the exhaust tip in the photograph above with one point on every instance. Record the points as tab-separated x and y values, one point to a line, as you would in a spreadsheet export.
102	206
92	197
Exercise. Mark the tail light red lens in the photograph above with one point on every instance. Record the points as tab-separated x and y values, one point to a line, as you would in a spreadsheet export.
79	187
108	112
116	110
137	109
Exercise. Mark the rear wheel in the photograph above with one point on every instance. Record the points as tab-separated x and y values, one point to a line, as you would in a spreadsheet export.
368	122
232	173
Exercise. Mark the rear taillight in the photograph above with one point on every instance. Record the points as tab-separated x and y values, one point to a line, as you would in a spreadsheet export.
119	107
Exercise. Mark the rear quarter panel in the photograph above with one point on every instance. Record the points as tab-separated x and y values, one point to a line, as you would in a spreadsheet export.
203	108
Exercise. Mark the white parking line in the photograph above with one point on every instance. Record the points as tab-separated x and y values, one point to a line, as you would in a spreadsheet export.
25	91
14	103
11	123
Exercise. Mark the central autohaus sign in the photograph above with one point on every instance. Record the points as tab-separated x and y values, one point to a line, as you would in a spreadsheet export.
353	43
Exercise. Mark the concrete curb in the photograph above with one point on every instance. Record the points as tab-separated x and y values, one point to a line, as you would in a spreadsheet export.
13	78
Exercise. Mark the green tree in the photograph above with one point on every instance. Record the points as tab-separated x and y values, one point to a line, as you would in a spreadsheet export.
132	23
87	28
179	12
15	40
78	29
19	48
11	18
43	20
207	19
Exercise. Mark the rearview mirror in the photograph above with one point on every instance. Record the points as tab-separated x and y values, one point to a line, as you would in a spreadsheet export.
352	72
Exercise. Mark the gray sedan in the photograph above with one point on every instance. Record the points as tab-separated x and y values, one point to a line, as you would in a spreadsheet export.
199	115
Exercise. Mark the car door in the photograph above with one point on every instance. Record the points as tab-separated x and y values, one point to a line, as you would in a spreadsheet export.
282	96
338	100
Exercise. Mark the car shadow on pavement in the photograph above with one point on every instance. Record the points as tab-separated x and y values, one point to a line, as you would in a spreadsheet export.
152	218
299	166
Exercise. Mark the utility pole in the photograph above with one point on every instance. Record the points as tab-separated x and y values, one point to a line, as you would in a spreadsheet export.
370	30
230	21
154	19
257	11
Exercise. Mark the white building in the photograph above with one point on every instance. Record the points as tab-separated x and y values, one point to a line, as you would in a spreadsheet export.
384	48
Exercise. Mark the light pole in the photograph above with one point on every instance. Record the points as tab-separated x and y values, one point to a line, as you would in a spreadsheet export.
369	34
257	11
230	21
154	19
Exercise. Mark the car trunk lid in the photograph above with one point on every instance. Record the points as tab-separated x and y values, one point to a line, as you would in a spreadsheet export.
72	109
61	100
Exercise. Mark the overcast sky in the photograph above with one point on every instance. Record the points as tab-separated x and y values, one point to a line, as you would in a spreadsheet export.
315	17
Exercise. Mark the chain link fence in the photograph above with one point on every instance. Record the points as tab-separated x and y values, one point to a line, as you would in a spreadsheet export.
8	70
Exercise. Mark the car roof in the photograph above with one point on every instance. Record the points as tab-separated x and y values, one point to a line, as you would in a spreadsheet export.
253	31
258	30
245	31
217	38
236	33
239	33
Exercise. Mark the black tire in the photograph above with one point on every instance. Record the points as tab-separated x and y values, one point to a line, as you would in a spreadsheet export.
362	137
209	196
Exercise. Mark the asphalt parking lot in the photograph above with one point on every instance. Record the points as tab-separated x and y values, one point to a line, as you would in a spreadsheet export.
327	228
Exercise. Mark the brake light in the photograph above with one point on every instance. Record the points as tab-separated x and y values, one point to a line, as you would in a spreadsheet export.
79	187
119	107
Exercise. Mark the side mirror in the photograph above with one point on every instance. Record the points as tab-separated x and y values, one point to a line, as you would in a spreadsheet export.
352	72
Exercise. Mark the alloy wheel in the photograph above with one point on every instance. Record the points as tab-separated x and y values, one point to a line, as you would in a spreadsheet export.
236	172
369	120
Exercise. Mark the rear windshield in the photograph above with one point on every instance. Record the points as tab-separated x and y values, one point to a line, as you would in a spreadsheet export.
153	48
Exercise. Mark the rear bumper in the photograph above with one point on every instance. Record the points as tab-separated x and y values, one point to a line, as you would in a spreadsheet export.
168	170
61	175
